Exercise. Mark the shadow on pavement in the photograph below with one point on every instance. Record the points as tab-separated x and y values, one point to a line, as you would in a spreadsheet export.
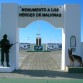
48	73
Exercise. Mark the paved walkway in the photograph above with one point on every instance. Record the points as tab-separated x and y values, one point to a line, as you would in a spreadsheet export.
42	61
41	65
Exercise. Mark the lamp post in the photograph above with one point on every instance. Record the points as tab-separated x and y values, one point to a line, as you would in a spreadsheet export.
28	38
28	43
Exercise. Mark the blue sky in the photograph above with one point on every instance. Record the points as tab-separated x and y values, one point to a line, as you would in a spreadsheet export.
28	34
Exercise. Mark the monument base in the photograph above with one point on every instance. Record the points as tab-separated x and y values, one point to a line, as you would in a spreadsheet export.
6	69
74	69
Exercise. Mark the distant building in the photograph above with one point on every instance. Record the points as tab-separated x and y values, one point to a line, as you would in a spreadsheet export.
48	46
24	46
54	46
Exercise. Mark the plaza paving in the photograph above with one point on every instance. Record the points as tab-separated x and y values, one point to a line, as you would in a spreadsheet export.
41	65
50	61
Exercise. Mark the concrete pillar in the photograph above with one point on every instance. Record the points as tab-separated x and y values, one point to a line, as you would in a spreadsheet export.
9	26
71	28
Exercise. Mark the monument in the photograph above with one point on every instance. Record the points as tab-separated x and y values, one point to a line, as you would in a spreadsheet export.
66	17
